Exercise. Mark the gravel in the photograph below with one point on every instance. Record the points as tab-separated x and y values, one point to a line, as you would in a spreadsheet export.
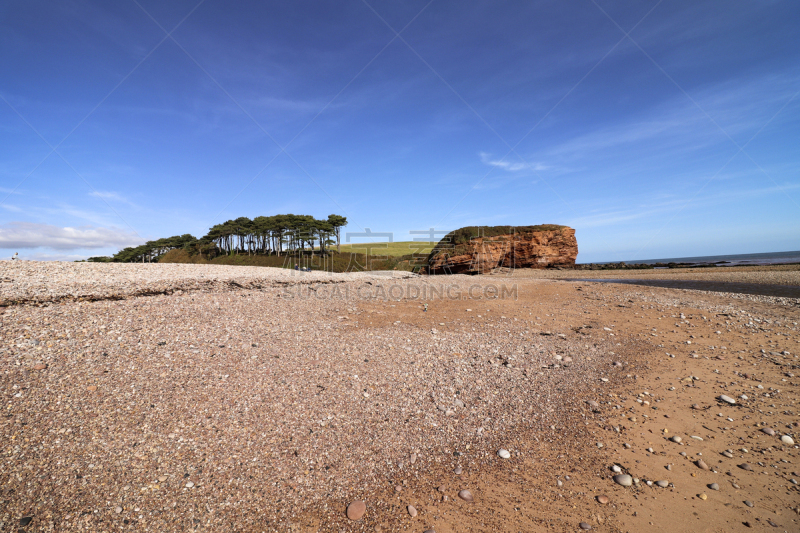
39	282
235	395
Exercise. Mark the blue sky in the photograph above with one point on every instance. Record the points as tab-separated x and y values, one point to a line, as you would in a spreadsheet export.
655	129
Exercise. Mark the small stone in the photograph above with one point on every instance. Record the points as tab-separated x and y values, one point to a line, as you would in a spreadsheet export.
413	458
703	496
713	486
356	510
746	466
25	520
398	488
585	525
623	479
787	440
602	499
675	439
162	479
748	503
768	431
118	509
40	366
441	488
616	469
663	483
729	455
701	464
458	471
466	496
412	511
189	485
726	399
91	388
503	453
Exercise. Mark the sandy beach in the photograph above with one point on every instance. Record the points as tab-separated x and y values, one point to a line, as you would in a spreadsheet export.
212	398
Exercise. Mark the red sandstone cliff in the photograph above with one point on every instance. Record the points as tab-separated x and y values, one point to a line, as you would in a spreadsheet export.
517	247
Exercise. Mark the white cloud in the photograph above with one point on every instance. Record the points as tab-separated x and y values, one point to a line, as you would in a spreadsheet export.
51	257
9	207
22	235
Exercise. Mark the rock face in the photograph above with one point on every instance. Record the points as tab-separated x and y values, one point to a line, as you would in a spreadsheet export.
480	250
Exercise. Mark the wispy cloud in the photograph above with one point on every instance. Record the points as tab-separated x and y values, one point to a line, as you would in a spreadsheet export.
508	166
25	235
112	196
9	207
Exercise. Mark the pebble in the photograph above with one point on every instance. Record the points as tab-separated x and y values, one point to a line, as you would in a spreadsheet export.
726	399
189	485
25	520
748	503
703	497
40	366
412	511
663	484
585	525
623	479
602	499
713	486
356	510
701	464
118	509
616	469
458	471
786	439
768	431
746	466
675	439
504	453
466	496
729	455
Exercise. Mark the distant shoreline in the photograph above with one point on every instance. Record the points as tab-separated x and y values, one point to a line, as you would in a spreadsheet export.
769	258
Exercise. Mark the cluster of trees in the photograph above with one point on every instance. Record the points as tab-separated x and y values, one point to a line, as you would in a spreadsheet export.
277	234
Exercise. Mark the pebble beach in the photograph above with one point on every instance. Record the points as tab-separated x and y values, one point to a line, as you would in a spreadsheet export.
222	398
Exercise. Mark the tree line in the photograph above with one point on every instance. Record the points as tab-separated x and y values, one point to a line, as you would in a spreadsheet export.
265	235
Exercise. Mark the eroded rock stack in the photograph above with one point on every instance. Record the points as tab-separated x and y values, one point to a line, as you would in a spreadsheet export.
482	249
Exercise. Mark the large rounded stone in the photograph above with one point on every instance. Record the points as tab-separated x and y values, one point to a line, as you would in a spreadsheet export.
623	479
466	496
356	510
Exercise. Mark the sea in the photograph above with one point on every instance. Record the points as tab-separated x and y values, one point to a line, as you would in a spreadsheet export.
771	258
